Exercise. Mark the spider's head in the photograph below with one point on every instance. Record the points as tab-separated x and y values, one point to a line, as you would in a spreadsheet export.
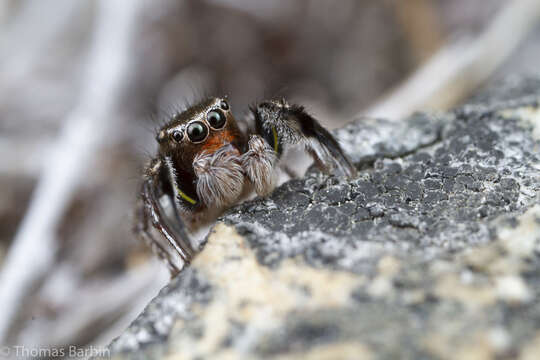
205	127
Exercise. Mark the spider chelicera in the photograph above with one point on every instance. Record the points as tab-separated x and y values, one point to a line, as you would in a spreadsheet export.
206	163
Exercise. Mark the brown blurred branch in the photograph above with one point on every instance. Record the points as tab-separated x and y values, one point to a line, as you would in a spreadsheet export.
459	68
421	27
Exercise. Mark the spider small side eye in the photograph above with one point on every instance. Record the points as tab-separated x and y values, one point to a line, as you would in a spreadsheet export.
177	136
224	105
197	131
216	119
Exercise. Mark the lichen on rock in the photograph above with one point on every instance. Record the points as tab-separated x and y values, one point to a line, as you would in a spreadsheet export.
431	252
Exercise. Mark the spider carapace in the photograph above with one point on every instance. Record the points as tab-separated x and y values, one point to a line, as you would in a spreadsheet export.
206	162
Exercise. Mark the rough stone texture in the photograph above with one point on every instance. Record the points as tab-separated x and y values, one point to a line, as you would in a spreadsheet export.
433	252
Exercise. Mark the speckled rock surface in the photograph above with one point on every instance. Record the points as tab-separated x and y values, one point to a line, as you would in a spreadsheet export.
433	252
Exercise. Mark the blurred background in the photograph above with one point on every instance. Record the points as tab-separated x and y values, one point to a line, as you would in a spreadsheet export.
83	83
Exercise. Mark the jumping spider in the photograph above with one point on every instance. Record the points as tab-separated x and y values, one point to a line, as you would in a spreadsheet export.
205	163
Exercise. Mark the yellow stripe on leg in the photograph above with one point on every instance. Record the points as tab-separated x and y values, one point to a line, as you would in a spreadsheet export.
185	197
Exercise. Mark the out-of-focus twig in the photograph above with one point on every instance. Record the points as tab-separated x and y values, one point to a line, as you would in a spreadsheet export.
34	246
26	49
23	157
459	68
135	307
98	304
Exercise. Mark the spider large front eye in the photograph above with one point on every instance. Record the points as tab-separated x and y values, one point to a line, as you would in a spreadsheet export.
197	131
216	119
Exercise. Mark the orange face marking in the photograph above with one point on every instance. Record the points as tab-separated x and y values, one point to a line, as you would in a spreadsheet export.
218	140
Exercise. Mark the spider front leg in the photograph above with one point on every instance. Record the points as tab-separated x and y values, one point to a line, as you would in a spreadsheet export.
151	212
282	124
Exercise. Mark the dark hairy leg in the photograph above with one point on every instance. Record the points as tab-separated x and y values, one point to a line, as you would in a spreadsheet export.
178	237
142	230
283	124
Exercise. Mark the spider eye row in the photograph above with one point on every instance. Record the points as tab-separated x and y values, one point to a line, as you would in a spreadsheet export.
197	130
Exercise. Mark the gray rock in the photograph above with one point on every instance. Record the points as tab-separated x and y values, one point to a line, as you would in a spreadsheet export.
432	252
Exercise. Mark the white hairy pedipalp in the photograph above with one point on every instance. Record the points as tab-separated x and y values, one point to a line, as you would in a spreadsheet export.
220	177
258	163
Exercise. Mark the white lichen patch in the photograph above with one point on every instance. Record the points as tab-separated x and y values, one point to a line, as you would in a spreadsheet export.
499	339
501	263
523	240
513	290
531	350
443	346
472	296
477	345
388	266
246	292
380	287
528	114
